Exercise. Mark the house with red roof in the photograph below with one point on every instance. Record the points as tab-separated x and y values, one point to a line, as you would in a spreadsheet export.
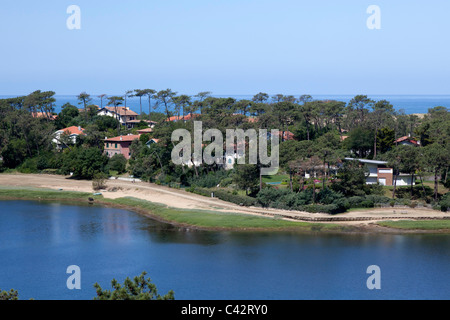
120	145
67	135
46	115
125	116
183	118
407	140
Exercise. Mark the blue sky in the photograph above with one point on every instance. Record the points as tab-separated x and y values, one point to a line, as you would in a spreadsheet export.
227	47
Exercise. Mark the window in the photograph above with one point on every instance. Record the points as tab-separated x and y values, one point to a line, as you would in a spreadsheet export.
107	145
115	146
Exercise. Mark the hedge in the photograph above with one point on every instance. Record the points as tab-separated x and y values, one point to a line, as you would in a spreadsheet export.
224	195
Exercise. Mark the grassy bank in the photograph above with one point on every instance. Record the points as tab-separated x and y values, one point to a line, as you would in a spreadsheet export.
195	218
443	225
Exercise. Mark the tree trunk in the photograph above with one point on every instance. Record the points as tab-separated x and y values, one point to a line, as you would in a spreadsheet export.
375	144
290	179
423	187
149	108
436	184
314	191
395	185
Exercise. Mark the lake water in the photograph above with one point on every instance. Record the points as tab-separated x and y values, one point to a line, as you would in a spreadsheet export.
39	240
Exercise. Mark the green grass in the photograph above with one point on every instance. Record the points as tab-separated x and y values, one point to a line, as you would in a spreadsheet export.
417	225
42	194
275	178
197	218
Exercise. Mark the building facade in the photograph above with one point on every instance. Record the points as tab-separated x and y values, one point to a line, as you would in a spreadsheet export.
380	173
120	145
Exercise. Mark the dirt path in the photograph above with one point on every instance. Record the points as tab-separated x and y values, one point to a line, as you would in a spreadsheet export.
184	200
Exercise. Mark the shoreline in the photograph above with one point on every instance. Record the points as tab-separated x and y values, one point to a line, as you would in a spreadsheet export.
180	208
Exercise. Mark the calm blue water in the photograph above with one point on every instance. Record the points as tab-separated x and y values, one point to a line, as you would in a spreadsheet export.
408	103
38	241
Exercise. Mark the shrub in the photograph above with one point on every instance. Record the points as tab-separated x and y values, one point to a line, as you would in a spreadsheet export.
268	196
117	163
377	199
355	202
367	204
342	205
237	199
210	180
445	202
328	196
413	204
321	208
29	166
99	181
224	195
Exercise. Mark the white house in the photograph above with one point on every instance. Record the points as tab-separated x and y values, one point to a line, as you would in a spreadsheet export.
380	173
72	134
125	116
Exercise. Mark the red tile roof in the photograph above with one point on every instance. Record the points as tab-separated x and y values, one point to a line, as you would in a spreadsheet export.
406	138
43	115
122	111
186	117
287	135
124	138
146	130
73	130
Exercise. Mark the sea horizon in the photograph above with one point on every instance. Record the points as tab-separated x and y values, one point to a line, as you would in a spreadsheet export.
408	103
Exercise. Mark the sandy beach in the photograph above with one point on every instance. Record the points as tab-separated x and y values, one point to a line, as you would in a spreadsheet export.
177	198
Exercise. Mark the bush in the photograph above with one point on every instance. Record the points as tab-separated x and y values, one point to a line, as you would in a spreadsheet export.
83	162
225	196
328	196
210	180
117	163
268	196
378	199
445	202
99	181
237	199
342	205
28	166
367	204
321	208
355	202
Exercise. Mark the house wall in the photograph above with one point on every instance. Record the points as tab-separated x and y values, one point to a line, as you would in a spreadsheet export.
123	147
404	180
387	174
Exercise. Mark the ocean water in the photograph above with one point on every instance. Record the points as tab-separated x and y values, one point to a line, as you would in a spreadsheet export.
408	103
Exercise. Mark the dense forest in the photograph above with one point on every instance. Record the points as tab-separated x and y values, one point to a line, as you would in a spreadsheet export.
316	136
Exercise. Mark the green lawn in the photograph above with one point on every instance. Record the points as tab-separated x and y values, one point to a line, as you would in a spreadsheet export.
417	225
275	178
